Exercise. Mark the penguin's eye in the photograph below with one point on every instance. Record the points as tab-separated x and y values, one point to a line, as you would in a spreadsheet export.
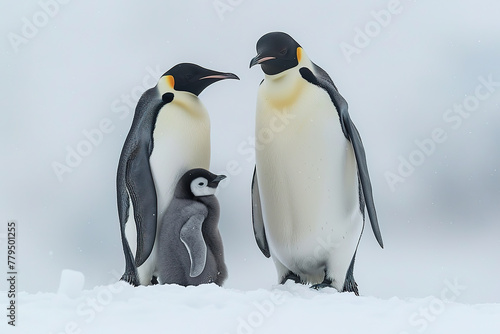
283	51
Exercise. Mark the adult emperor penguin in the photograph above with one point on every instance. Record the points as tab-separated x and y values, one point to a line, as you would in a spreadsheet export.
170	134
311	183
190	249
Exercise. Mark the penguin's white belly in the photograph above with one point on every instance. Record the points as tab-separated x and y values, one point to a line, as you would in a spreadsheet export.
181	141
308	183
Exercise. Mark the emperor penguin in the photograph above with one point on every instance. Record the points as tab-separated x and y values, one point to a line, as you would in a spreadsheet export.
190	250
170	134
311	185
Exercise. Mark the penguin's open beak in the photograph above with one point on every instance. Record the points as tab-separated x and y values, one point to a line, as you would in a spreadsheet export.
220	76
259	59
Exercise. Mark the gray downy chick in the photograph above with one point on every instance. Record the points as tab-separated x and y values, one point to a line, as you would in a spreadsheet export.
190	250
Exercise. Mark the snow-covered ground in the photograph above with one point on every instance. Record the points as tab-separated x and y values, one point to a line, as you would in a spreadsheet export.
289	308
68	67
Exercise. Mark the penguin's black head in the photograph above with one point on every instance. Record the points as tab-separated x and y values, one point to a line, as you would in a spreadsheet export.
193	78
277	52
197	182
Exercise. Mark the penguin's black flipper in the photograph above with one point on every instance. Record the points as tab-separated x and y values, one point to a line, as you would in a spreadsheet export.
359	152
324	81
142	192
130	278
350	284
257	218
135	182
130	274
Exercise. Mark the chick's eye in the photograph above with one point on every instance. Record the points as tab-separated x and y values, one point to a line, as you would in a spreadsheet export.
199	183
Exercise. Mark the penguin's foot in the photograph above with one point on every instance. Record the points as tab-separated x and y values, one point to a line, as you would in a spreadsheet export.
293	277
321	286
154	280
327	283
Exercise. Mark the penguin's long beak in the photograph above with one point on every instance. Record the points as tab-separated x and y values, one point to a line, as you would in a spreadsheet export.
221	76
207	78
259	59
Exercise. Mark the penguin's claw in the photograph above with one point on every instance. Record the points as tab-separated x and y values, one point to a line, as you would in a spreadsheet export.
293	277
321	286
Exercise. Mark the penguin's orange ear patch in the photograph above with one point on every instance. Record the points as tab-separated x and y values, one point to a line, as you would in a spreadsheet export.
299	54
170	81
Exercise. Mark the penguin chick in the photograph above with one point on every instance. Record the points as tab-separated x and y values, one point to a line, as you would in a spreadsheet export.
190	250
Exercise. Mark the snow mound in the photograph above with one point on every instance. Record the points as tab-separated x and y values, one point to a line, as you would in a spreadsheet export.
71	283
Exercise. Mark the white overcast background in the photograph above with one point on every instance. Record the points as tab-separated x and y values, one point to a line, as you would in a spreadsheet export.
78	70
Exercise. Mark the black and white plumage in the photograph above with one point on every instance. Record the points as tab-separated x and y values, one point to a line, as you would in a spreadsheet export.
170	134
190	248
311	183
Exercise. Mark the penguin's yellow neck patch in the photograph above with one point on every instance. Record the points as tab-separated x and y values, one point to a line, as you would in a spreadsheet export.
299	54
170	81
